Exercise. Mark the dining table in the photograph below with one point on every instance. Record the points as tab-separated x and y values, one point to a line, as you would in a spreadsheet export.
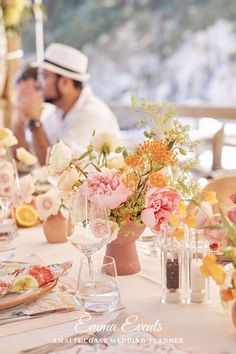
195	327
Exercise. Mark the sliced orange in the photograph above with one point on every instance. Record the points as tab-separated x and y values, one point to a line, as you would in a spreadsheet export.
26	216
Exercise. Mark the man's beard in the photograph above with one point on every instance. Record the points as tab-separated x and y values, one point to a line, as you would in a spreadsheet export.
52	100
57	97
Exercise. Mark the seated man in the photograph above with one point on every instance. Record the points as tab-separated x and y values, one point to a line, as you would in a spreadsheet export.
78	112
26	84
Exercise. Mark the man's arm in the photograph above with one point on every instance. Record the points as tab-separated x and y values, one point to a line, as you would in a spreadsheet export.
40	140
30	102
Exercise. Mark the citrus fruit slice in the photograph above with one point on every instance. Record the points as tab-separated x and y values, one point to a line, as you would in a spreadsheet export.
24	282
43	275
26	215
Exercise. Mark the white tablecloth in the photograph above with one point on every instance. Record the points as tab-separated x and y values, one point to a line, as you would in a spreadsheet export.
206	326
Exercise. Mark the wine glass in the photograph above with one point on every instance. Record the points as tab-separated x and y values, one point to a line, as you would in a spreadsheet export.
92	229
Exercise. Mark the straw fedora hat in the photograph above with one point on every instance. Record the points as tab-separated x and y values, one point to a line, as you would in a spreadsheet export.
66	61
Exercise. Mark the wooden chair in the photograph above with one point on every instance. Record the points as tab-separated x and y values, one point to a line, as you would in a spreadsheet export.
224	187
210	133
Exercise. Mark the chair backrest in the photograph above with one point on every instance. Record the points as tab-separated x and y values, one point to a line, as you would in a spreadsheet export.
224	187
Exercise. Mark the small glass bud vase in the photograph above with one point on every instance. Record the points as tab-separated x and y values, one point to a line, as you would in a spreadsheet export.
172	270
197	286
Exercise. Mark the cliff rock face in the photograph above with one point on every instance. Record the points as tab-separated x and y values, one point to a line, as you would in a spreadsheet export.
175	50
202	68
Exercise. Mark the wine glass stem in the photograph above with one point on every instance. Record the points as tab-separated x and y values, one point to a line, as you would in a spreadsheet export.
91	270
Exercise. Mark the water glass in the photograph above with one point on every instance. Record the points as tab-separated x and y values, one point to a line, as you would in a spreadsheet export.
7	225
101	294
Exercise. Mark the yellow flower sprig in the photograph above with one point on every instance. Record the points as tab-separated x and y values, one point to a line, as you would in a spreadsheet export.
210	196
211	269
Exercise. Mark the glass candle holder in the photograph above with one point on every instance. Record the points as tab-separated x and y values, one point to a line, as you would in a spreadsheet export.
197	287
8	230
172	270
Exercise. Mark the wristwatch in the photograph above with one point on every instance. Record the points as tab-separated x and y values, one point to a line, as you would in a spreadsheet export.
34	124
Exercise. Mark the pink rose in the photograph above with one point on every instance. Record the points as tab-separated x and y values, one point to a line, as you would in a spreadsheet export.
232	215
100	228
107	185
233	198
159	205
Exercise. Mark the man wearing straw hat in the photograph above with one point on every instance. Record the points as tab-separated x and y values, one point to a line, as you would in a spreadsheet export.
62	76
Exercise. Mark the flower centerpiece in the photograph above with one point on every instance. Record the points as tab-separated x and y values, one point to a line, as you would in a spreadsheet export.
139	189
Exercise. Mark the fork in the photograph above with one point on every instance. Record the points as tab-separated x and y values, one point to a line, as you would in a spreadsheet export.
87	339
97	336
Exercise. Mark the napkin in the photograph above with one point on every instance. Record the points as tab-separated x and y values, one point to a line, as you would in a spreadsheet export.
30	276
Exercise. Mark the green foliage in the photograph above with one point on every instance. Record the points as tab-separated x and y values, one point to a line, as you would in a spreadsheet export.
132	207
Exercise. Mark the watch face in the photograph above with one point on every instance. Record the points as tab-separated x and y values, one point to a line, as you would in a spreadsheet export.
37	123
34	124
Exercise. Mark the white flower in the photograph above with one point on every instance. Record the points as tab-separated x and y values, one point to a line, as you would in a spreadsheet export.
41	174
60	157
26	157
7	138
116	162
105	141
68	179
67	199
48	204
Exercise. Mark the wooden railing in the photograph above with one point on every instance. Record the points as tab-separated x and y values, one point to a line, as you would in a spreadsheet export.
127	117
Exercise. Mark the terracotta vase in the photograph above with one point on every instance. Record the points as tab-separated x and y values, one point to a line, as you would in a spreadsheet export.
234	313
56	228
124	251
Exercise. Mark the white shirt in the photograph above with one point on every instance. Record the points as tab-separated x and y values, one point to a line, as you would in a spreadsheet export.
75	129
